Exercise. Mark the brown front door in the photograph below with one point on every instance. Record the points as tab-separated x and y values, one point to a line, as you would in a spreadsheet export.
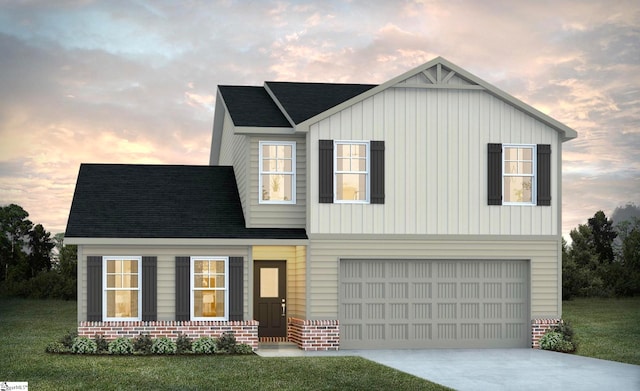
270	293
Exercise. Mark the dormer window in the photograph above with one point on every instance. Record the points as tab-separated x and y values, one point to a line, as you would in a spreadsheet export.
277	181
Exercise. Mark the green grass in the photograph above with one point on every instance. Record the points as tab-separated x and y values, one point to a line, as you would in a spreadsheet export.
27	326
606	328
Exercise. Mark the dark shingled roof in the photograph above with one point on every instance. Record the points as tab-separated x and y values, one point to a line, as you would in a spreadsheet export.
161	201
252	106
305	100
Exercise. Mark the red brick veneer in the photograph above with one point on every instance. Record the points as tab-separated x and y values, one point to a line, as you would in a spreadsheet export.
245	331
314	334
539	327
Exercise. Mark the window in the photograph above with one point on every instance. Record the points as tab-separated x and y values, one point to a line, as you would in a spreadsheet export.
351	171
277	180
519	174
209	293
122	282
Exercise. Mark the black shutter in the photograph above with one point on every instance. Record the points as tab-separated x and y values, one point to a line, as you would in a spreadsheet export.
494	174
377	172
544	175
94	289
149	288
325	176
236	288
183	288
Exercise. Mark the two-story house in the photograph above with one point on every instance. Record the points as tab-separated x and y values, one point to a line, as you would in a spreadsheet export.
422	212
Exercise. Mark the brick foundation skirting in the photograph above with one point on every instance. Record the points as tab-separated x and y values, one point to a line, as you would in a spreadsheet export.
314	334
539	327
245	331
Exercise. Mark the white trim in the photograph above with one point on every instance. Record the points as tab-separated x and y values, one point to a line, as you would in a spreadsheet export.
225	289
105	259
533	175
367	171
292	144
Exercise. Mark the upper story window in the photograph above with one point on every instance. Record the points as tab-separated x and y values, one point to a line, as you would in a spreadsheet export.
209	288
277	182
122	282
351	171
519	172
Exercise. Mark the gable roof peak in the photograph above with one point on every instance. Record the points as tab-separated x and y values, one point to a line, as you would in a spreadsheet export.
442	73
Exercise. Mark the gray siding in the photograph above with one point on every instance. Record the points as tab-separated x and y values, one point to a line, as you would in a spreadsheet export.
277	215
242	152
435	165
234	152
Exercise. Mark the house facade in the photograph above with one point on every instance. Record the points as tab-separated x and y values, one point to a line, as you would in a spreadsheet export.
424	212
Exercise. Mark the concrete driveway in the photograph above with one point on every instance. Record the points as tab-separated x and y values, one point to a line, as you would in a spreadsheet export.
509	369
493	369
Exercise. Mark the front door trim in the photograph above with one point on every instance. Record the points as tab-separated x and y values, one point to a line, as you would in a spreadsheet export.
270	310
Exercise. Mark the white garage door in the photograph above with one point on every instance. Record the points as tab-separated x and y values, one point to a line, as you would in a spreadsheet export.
434	304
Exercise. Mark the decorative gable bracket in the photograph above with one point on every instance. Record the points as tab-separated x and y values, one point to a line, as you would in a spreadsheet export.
439	76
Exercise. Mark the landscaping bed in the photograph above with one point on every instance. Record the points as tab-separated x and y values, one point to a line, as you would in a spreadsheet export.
28	326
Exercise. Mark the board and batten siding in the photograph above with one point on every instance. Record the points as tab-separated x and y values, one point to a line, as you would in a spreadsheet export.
166	258
435	165
325	254
276	215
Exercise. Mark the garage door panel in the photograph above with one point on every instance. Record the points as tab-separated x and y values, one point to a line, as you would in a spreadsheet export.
434	303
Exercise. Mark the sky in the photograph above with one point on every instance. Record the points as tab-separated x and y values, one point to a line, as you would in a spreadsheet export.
114	81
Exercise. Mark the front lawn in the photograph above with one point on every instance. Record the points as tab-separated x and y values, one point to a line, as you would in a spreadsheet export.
606	328
27	326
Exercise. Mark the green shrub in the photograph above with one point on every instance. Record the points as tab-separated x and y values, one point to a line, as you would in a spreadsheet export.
204	345
84	345
56	347
121	346
243	348
566	329
49	284
226	343
102	343
164	345
143	343
67	339
559	338
184	344
565	346
550	340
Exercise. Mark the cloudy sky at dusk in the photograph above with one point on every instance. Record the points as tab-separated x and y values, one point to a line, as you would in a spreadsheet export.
135	81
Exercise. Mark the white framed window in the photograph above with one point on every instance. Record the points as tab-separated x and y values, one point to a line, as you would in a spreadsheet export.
277	179
519	174
122	296
209	288
351	173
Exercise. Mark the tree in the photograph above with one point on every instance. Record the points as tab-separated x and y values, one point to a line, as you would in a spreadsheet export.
582	250
14	228
67	257
603	259
40	244
26	267
603	236
625	213
628	255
